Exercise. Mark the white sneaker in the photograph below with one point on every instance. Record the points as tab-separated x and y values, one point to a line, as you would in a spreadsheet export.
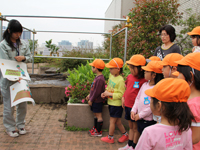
22	131
124	148
13	134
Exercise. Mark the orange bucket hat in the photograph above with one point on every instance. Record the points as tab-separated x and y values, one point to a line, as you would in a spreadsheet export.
170	90
154	58
192	60
98	63
153	66
176	73
195	31
170	59
137	60
115	63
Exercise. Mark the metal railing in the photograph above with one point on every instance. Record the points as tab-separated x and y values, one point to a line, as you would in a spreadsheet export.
3	18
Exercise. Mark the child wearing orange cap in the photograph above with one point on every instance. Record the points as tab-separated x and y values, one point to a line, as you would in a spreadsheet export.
133	83
189	70
169	65
170	103
195	35
114	92
141	111
94	98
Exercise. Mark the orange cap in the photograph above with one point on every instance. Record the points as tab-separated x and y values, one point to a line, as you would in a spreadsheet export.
98	63
170	59
176	73
170	90
192	60
195	31
153	66
137	60
115	63
154	58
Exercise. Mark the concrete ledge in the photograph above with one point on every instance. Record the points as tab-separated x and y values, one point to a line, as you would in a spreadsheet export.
48	93
80	115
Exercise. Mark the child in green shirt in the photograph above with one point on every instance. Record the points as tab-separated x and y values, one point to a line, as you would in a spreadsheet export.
114	92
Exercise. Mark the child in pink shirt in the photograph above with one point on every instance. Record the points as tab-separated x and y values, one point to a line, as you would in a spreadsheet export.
141	111
189	70
168	100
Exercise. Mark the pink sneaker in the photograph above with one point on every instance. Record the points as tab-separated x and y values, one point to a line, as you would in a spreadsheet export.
125	147
131	148
107	139
123	138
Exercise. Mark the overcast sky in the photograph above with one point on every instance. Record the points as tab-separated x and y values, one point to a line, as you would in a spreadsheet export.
71	8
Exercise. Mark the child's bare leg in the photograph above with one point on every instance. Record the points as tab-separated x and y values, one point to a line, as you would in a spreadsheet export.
136	133
120	125
131	131
112	125
99	116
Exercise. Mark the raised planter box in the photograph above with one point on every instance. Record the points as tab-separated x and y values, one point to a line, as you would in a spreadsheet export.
80	115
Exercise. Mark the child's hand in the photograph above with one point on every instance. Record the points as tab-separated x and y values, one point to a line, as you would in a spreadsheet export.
103	95
132	115
20	79
122	102
90	103
87	98
106	93
137	117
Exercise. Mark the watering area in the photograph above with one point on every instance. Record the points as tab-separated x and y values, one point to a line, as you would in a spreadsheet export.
47	85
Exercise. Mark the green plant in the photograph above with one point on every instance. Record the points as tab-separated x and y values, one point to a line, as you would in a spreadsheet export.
31	45
147	17
52	47
73	128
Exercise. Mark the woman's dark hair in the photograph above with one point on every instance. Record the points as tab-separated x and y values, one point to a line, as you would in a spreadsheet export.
185	70
176	113
159	76
198	37
13	26
170	31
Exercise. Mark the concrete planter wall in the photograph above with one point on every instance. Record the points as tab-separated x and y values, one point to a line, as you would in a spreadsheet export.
80	115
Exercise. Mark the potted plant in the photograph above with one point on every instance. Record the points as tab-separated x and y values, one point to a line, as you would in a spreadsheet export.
52	47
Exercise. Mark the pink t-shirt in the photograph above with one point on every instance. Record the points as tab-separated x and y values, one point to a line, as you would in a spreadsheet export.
142	103
164	137
194	105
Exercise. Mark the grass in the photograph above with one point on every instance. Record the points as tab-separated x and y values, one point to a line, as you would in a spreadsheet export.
73	128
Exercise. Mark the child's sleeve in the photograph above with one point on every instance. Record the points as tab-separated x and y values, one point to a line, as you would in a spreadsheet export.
120	91
125	85
137	99
144	142
196	113
97	90
145	112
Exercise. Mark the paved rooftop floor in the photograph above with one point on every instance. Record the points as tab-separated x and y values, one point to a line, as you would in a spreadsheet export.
46	131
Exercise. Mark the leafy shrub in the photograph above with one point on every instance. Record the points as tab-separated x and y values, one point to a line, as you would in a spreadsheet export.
80	80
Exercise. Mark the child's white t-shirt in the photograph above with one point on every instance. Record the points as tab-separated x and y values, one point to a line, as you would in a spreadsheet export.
164	137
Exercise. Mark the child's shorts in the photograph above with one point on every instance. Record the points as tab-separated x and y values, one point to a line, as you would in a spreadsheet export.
143	124
97	107
115	111
128	114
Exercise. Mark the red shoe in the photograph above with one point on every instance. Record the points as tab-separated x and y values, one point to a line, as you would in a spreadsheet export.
96	133
107	139
123	138
92	130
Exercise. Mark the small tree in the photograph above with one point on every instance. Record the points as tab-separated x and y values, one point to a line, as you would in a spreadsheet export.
31	45
52	47
147	17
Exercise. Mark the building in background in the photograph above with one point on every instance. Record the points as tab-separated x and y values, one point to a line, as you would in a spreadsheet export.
85	44
121	8
117	9
65	46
